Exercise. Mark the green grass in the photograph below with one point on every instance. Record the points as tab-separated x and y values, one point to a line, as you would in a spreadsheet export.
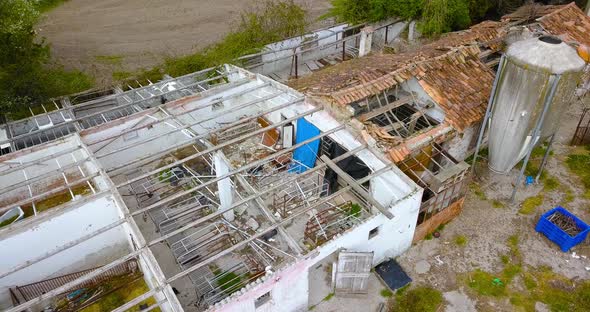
497	204
476	189
579	164
428	236
230	282
550	183
461	240
47	5
483	284
124	292
530	204
109	59
121	75
419	299
328	297
386	293
568	197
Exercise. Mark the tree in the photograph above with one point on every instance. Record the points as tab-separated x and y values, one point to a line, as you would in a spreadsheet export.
21	56
26	74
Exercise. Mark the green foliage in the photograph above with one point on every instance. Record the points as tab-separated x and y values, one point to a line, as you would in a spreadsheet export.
386	293
272	21
419	299
328	297
47	5
355	211
360	11
8	221
440	16
437	16
26	74
530	204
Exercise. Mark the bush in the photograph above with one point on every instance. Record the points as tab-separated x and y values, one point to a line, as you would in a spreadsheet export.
26	75
419	299
437	16
272	21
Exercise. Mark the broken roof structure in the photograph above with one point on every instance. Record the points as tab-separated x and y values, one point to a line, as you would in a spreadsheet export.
454	72
203	195
225	190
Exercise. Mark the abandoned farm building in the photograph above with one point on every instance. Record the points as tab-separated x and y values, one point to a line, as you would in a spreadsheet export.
229	190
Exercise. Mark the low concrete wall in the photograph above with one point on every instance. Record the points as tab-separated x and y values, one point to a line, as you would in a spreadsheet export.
442	217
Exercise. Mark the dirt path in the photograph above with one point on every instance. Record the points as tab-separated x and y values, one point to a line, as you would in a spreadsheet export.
139	33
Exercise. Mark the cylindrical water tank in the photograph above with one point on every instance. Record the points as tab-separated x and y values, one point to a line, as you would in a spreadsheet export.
522	88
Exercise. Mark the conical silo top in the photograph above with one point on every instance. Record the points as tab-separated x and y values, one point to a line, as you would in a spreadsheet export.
546	53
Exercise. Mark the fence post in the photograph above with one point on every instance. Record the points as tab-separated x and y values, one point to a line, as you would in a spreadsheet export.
366	41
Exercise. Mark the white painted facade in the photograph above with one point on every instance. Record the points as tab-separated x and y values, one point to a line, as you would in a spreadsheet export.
62	227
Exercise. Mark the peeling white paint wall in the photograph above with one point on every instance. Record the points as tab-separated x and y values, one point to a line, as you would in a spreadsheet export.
56	231
462	144
289	287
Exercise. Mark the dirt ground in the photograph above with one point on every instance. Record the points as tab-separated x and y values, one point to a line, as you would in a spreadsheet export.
137	34
444	265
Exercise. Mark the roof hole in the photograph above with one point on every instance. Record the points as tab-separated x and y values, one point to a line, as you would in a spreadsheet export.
550	39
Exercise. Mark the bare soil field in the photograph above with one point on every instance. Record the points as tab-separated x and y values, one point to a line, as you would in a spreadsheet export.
100	37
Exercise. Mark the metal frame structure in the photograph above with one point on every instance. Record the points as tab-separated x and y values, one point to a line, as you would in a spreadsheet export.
172	206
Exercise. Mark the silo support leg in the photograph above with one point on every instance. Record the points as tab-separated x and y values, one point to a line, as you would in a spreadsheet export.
545	156
554	81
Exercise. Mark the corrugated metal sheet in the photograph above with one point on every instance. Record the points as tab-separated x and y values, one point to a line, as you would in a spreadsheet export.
27	292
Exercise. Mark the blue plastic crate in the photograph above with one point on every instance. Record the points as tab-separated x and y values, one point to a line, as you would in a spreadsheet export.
557	235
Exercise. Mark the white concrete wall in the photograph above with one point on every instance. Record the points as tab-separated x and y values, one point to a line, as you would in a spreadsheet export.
50	234
459	145
393	32
436	112
289	287
280	53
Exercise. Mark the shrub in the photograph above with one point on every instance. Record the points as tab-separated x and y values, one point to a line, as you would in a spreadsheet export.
272	21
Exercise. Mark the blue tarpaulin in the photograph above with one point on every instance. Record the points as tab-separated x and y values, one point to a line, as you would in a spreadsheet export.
305	156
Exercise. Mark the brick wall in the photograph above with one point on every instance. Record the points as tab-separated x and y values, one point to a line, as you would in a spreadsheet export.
442	217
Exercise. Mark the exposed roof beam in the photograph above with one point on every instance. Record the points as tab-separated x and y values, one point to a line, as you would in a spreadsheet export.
356	186
384	109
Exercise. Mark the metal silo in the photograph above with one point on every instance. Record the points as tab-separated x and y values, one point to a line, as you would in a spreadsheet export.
536	81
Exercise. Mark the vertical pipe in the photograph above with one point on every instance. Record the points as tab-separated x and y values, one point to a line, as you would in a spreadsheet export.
343	50
296	65
488	111
545	158
554	80
574	139
386	33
